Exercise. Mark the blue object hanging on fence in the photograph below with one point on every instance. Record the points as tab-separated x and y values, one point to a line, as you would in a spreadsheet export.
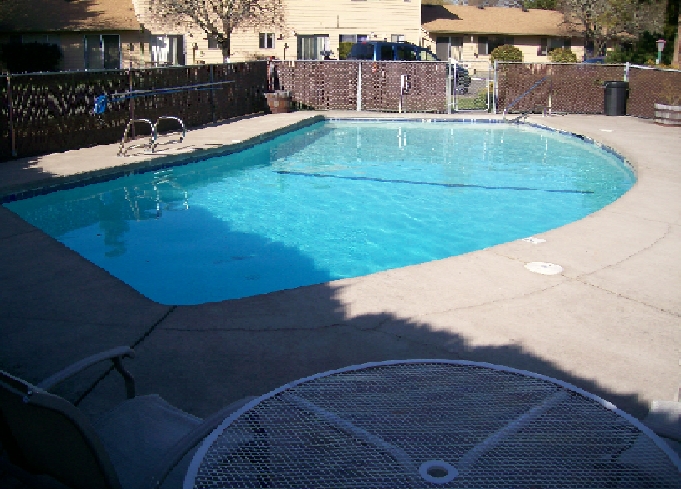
102	101
100	104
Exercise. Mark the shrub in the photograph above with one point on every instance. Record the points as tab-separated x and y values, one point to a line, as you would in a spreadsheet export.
506	53
563	55
31	57
344	49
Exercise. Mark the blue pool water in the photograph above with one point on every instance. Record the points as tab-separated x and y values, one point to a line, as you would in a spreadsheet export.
333	200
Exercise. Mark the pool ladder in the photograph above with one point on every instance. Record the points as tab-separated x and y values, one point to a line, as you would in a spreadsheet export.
122	149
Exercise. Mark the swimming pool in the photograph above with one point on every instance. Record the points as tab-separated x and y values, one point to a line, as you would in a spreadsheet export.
336	199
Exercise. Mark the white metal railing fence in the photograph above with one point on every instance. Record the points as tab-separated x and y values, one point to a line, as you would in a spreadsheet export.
470	86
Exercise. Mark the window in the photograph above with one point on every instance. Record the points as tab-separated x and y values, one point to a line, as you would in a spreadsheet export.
548	44
102	52
397	38
352	38
266	40
213	42
167	50
487	44
482	45
41	38
311	47
449	47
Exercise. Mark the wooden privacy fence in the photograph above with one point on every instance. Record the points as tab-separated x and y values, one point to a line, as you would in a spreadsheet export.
51	112
577	88
364	85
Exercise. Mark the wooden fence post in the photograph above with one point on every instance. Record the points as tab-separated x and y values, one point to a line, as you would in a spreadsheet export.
212	95
10	110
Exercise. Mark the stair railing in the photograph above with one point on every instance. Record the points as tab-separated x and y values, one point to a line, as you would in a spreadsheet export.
521	96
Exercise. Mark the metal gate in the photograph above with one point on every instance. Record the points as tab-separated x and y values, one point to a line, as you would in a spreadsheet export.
470	86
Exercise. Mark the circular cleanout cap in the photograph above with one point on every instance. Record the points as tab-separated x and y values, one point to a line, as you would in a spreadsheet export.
438	471
544	268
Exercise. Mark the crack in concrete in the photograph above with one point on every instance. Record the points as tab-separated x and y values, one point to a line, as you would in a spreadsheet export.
582	278
104	374
259	330
505	299
148	332
657	308
285	328
22	233
669	228
374	329
642	218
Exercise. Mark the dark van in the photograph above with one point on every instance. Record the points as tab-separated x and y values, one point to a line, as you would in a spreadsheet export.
390	51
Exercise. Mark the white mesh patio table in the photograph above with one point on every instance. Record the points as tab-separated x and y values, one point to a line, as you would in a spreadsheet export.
429	424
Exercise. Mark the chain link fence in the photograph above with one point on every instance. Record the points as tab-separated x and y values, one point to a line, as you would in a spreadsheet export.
578	88
648	86
471	85
43	113
53	112
385	86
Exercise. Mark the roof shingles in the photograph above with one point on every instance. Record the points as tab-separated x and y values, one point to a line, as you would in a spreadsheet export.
460	19
67	15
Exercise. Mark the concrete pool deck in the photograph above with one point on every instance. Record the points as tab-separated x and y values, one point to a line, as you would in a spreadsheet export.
610	323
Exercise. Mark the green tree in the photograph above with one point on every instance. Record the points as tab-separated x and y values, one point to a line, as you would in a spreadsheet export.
220	18
644	48
506	52
603	21
540	4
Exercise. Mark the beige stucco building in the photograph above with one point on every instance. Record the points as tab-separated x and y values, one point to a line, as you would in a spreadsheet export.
469	33
313	29
92	34
97	34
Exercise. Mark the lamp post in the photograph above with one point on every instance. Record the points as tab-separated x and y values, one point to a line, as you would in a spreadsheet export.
660	47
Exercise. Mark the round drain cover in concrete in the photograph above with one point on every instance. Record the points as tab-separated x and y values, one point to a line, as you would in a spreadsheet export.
544	268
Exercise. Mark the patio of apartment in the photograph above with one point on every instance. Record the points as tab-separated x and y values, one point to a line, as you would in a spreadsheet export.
610	323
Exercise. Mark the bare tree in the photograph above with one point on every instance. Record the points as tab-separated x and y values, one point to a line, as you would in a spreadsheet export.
220	18
612	20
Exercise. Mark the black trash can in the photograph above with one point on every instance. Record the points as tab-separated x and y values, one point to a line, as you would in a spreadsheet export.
616	97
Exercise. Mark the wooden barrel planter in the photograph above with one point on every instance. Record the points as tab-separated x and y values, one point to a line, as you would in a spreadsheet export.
279	102
668	115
